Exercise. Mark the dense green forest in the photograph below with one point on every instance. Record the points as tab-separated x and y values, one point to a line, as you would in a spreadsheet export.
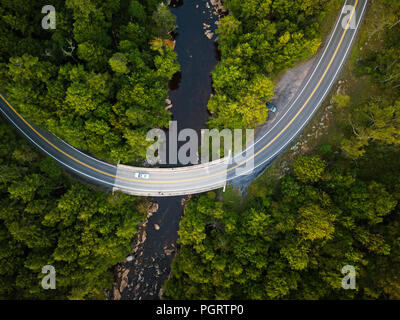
338	205
291	241
99	80
257	40
46	218
95	80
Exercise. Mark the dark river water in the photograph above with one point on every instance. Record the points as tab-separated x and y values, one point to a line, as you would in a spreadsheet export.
189	92
197	56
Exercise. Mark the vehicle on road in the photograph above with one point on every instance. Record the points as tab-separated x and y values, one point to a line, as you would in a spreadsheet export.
271	107
142	175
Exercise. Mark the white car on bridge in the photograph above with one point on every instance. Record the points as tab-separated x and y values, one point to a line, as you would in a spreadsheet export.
142	175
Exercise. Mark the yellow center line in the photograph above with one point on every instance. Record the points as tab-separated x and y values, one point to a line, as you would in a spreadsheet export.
208	176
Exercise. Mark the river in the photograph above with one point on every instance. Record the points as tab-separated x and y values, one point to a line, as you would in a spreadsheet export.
189	93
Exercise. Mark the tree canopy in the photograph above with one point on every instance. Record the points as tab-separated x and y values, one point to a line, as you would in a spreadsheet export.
291	241
94	81
257	40
46	218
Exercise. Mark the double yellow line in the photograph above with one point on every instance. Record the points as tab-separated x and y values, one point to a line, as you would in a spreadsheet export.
208	176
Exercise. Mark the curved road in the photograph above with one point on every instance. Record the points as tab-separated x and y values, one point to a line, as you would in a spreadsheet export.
212	175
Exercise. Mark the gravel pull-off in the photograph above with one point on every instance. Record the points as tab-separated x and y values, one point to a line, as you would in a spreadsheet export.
286	88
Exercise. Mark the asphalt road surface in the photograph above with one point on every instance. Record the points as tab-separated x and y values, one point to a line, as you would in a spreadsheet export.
212	175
